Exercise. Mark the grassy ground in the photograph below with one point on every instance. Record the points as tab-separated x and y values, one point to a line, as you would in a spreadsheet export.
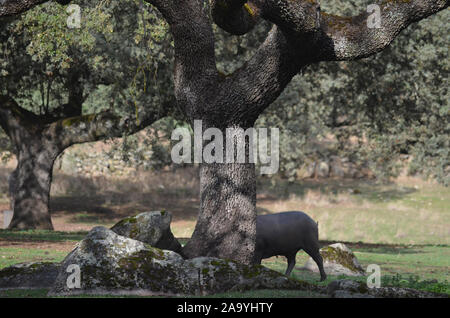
404	227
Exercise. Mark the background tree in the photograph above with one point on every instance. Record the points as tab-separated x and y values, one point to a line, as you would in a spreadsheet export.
62	86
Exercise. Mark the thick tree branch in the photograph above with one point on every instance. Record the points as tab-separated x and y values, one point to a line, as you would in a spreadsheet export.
296	15
195	64
235	16
350	38
305	35
335	37
11	114
94	127
65	132
253	87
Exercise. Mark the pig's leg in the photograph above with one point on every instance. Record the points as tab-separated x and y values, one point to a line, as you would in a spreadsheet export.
291	263
315	255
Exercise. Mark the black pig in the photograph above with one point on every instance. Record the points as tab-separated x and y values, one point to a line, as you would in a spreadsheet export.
285	234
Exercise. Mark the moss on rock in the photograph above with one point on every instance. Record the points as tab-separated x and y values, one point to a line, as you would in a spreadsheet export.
149	227
112	263
33	274
338	259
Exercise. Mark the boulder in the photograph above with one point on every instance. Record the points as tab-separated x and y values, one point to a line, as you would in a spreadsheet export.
113	264
338	259
29	275
149	227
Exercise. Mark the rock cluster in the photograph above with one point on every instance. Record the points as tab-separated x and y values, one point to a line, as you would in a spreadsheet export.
29	275
110	263
139	256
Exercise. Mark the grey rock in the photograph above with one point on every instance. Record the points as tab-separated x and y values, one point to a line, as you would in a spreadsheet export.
338	259
29	275
149	227
114	264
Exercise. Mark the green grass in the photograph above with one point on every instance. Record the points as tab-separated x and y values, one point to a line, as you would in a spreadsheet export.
42	235
23	293
10	255
419	267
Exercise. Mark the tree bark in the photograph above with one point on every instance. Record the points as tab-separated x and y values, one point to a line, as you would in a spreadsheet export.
32	188
226	226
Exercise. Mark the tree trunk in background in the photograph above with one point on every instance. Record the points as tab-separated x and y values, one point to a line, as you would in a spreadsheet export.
32	187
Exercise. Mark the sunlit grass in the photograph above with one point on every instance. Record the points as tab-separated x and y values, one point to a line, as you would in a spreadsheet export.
11	255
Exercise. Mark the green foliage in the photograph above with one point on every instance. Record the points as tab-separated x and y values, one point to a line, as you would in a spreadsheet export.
121	54
394	105
52	39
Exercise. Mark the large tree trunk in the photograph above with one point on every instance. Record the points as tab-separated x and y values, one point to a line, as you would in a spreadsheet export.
32	189
226	226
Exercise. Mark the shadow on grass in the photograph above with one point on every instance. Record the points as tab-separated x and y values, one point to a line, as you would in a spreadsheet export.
114	205
364	188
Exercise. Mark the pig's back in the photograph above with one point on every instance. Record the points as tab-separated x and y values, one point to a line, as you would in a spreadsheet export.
281	233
